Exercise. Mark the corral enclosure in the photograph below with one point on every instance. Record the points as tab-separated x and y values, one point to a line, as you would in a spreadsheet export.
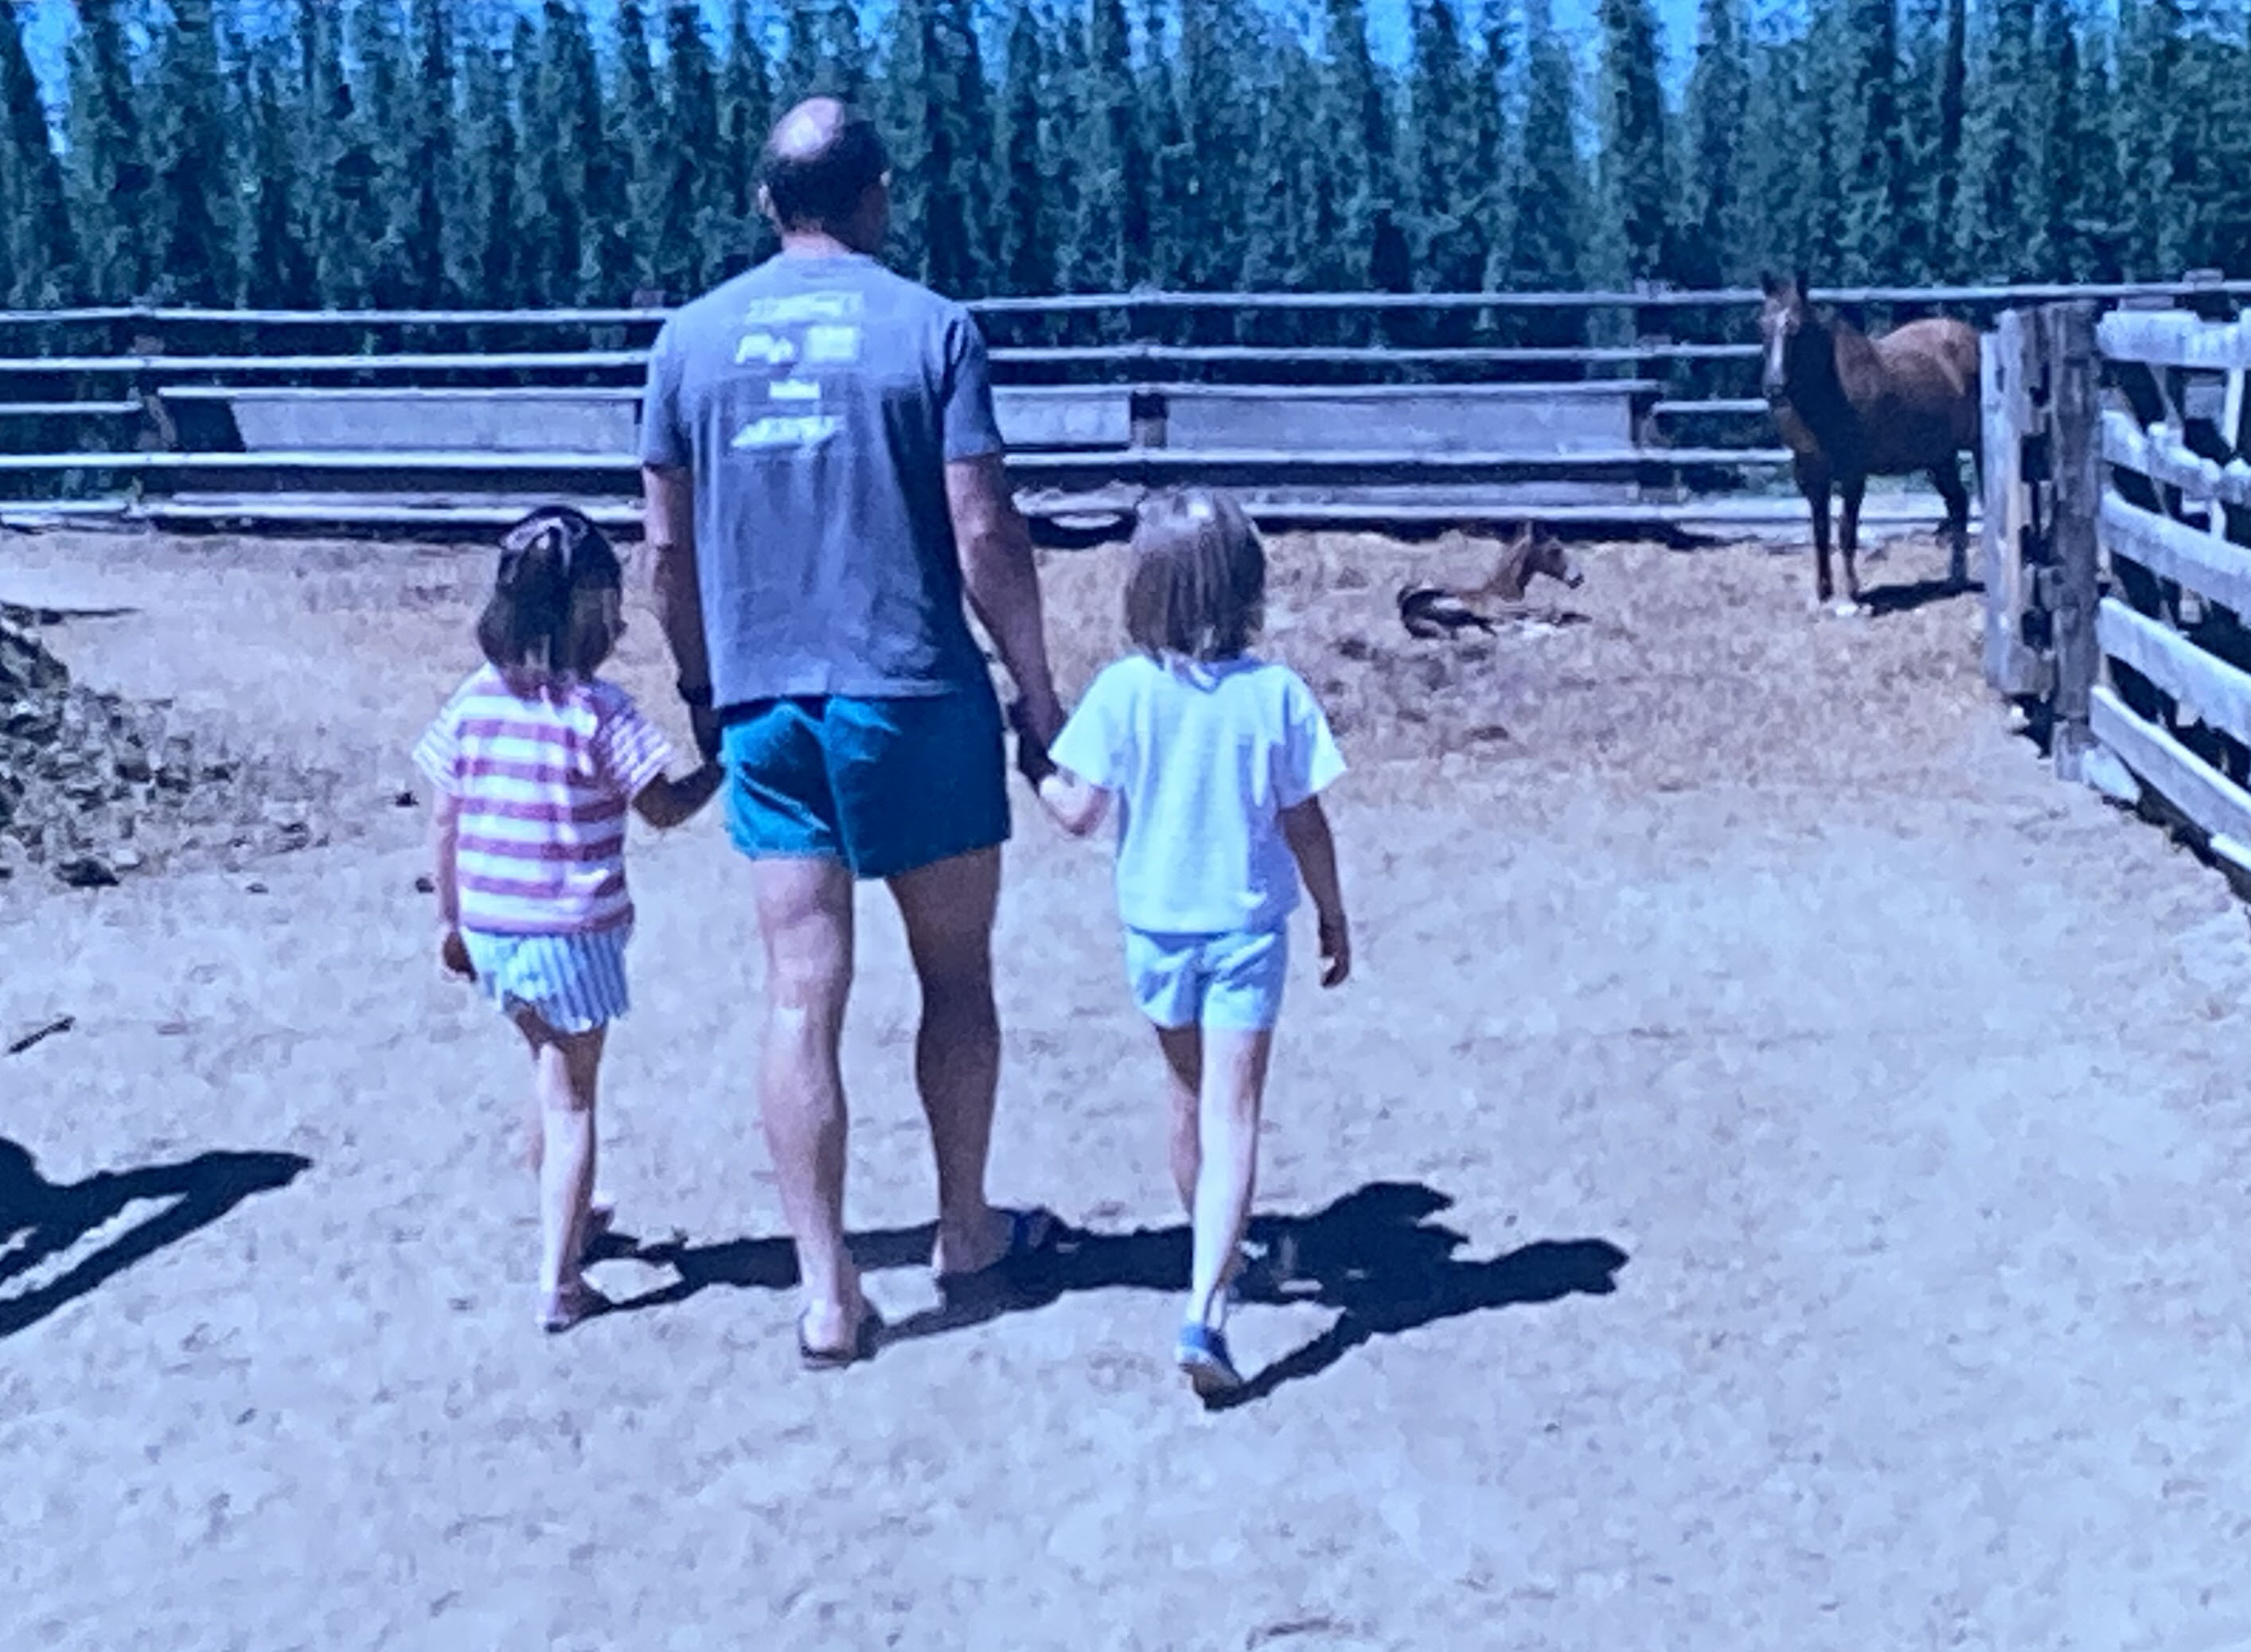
1740	1195
1617	411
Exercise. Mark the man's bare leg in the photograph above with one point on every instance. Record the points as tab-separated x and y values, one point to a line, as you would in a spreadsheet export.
948	908
805	920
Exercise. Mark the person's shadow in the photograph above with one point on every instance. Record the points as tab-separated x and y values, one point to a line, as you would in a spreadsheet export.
1375	1255
39	1219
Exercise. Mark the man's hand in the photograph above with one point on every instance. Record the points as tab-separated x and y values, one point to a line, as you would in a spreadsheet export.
453	956
1336	949
705	722
1032	760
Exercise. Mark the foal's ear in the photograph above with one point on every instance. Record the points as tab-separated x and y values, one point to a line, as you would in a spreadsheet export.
1768	285
1804	286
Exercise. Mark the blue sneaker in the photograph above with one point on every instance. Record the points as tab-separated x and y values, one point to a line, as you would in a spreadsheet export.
1202	1354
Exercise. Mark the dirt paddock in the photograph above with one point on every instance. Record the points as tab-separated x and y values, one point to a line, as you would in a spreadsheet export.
1776	1181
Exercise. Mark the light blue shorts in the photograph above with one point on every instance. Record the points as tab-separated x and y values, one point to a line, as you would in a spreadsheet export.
574	983
1233	980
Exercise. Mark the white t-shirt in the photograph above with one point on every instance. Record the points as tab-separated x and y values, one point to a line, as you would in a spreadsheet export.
1202	759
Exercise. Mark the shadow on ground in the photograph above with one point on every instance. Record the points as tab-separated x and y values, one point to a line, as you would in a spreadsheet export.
39	1219
1906	598
1375	1255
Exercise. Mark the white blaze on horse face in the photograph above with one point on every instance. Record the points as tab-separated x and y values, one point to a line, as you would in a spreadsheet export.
1777	358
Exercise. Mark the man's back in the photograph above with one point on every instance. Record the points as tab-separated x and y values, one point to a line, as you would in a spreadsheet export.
817	400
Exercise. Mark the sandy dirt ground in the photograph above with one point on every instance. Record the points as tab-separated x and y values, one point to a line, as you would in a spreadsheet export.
1776	1181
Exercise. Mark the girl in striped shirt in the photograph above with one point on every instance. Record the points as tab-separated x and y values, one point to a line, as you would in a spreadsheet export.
535	761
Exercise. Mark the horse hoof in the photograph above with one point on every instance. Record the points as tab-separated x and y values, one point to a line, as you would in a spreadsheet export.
1850	610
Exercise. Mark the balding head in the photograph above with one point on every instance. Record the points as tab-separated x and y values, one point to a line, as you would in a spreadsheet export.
824	172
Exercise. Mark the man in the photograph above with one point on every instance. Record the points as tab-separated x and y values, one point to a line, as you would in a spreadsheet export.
824	485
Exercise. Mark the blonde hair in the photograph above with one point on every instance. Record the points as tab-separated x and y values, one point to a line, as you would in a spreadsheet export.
1197	590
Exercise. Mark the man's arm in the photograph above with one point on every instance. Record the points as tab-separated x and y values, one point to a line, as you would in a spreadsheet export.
669	516
1002	583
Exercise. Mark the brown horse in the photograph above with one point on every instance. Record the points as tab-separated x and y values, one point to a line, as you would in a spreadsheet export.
1850	407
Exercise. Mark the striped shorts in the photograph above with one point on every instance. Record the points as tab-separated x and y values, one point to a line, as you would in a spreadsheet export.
574	983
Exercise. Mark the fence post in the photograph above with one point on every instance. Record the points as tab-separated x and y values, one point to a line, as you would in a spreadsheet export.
2004	409
2075	463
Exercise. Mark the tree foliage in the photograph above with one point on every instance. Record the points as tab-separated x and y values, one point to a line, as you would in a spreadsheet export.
345	153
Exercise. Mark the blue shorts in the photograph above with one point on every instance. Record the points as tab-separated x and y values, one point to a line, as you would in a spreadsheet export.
574	983
1232	980
885	785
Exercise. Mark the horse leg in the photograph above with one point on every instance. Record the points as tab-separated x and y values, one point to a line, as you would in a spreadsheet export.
1948	475
1855	485
1813	482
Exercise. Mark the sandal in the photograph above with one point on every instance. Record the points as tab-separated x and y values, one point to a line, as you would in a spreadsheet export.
561	1308
863	1345
601	1217
1030	1232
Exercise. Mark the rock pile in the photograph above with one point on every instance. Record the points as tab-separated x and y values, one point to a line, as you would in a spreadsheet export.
94	787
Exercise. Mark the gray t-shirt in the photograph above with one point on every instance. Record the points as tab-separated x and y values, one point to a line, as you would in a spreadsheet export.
816	400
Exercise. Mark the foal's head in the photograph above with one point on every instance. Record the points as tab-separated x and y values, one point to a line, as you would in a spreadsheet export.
1792	335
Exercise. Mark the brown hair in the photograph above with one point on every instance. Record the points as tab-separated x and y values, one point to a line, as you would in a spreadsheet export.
1198	586
534	621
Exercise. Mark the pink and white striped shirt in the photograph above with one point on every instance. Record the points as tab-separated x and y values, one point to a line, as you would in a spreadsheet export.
544	780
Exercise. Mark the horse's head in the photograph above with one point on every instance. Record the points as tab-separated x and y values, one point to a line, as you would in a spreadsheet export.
1788	330
1547	555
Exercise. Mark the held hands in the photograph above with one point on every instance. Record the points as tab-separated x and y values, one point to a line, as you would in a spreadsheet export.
1336	949
1034	727
453	956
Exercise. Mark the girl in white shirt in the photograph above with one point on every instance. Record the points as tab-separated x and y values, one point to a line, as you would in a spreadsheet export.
1215	759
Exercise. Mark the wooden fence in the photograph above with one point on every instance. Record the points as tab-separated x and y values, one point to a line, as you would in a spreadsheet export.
1646	415
2118	544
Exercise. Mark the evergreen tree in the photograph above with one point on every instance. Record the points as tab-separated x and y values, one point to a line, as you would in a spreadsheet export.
1874	197
197	261
631	258
1946	157
1450	113
1712	229
277	259
110	149
1546	185
565	142
1113	233
691	205
1026	256
494	265
1633	138
1217	109
38	252
430	153
747	112
1357	125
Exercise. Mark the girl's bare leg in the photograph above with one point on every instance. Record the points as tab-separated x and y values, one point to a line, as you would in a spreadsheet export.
1234	1080
565	1069
1183	1050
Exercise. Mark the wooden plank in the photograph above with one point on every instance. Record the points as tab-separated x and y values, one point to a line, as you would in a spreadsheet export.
2215	804
1154	462
2175	338
2207	687
2161	456
68	410
1383	394
1740	511
2074	465
2012	667
1677	408
1570	418
1087	303
438	393
2206	564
